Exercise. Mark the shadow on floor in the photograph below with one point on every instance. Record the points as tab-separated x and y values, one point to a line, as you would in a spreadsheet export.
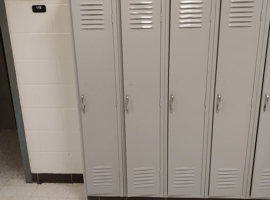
10	155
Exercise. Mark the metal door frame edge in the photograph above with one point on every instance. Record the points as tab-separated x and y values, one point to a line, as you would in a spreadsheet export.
14	91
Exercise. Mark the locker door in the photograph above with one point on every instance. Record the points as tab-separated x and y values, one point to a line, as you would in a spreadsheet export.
96	66
189	64
261	173
141	33
238	44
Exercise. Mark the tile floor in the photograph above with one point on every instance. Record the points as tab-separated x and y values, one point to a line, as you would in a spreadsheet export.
12	184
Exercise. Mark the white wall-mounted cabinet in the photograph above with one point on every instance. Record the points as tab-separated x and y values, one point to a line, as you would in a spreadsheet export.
191	40
142	68
96	46
238	51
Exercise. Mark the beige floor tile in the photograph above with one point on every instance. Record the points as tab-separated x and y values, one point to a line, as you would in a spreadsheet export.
15	198
52	190
12	183
48	198
76	191
17	191
3	181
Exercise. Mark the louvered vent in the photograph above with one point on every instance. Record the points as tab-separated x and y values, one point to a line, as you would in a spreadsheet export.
190	13
92	15
265	179
227	178
184	177
143	177
241	13
141	14
102	175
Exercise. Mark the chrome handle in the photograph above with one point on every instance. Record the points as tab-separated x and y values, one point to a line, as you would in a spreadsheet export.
266	102
83	104
126	103
171	103
219	99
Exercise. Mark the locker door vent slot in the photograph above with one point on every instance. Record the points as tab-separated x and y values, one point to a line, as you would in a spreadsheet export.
141	14
102	176
190	13
184	177
92	15
265	180
241	13
143	177
227	178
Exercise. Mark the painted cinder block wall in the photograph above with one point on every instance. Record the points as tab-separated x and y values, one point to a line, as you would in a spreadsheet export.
44	62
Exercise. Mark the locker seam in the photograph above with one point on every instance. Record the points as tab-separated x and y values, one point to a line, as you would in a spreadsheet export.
259	116
252	112
117	60
259	108
206	115
214	102
167	97
124	154
115	71
161	134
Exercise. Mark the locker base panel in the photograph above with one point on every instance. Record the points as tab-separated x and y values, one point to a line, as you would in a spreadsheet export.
57	178
151	198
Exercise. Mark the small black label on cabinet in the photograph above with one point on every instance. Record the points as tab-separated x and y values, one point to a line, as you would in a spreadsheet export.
39	8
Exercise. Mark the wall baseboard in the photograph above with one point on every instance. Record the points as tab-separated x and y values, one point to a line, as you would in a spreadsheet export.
57	178
149	198
78	178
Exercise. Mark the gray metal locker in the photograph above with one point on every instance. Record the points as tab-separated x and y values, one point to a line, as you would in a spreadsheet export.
191	40
238	51
141	38
261	171
97	52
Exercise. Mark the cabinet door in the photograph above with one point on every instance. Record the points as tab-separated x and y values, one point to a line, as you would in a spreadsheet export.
189	67
141	32
95	55
261	173
236	65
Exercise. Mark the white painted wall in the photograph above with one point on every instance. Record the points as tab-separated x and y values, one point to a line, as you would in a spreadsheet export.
44	62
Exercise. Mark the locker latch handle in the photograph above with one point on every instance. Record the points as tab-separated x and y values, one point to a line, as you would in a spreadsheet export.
126	103
171	103
219	99
83	104
266	102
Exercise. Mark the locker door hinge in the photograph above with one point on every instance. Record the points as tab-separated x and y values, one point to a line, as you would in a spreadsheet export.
161	17
251	103
112	14
262	14
211	12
